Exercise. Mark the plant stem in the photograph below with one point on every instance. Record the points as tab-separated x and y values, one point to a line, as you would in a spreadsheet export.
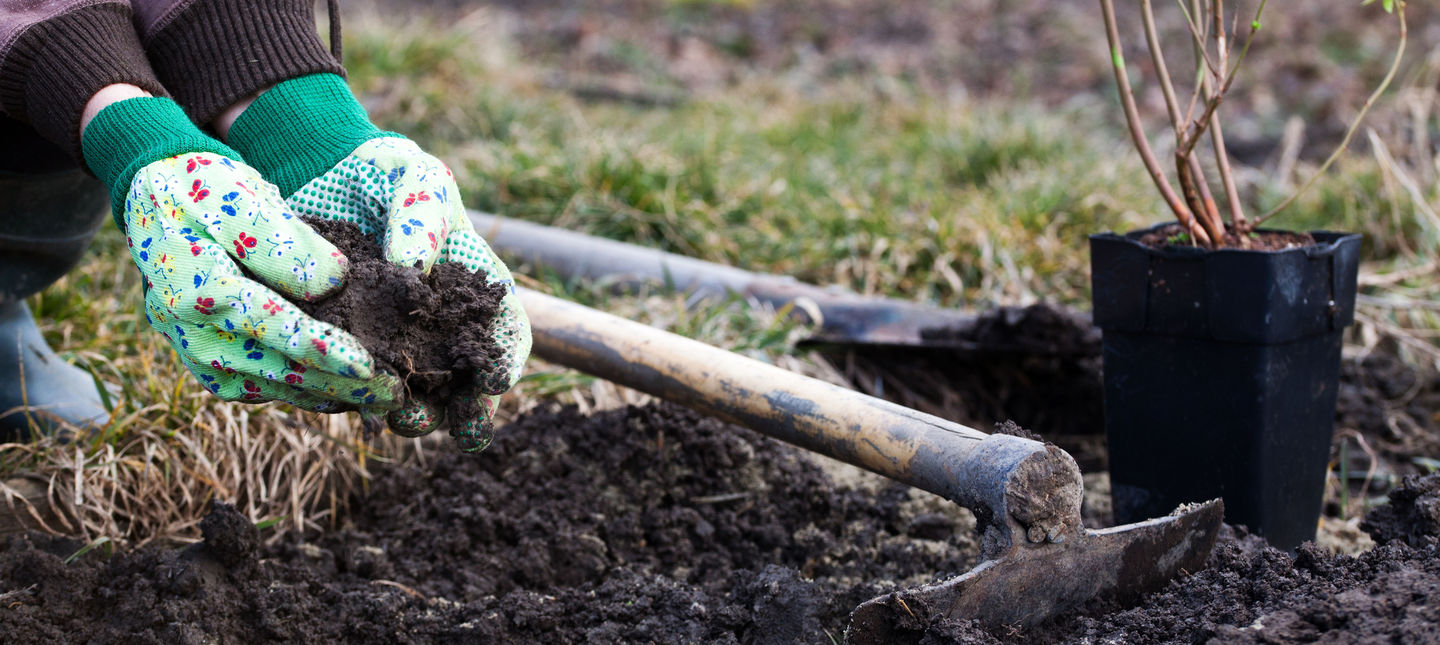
1369	101
1192	181
1212	105
1212	211
1137	130
1162	71
1217	136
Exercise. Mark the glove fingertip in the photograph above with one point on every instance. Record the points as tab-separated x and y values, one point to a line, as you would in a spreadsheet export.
415	419
472	423
419	257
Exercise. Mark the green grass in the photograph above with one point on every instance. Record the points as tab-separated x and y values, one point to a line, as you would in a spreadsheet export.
905	195
897	193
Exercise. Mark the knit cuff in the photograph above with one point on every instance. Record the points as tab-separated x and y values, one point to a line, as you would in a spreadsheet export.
131	134
214	53
55	66
301	128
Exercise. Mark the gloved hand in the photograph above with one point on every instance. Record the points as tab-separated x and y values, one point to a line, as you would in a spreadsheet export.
313	139
194	216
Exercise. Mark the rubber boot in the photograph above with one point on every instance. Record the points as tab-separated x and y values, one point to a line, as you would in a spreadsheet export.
47	221
53	390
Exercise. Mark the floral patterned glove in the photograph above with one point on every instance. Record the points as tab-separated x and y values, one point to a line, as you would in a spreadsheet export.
312	138
209	235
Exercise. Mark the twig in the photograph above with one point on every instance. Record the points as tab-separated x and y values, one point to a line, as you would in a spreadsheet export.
1217	136
28	591
1190	185
1369	101
1202	56
1214	104
1290	144
1386	279
1187	169
409	591
1137	132
719	499
1211	210
1162	71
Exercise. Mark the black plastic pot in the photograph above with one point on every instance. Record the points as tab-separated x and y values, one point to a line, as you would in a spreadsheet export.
1221	370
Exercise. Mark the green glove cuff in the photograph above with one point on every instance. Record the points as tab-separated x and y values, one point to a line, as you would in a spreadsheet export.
134	133
301	128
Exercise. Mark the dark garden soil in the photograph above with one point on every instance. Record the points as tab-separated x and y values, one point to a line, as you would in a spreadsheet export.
1038	366
432	329
654	524
1174	235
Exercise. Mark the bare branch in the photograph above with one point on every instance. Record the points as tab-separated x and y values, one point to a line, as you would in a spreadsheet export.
1190	185
1211	211
1162	71
1213	104
1137	130
1217	135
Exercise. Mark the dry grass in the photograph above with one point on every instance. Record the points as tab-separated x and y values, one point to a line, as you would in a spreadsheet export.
170	447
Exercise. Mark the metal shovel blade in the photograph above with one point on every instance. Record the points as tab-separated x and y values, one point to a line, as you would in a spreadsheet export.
1028	585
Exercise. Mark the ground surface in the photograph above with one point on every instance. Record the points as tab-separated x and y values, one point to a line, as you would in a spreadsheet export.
655	525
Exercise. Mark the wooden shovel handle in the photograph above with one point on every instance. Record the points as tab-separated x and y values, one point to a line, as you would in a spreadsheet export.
962	464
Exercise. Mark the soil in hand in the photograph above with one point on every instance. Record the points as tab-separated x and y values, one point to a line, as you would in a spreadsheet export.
432	329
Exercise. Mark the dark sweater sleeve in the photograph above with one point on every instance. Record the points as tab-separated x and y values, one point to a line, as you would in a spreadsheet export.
54	55
212	53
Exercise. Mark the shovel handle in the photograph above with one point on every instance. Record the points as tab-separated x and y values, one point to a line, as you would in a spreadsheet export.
979	471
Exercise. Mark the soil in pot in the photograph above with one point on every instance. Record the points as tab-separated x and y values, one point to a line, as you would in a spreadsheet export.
432	329
1174	235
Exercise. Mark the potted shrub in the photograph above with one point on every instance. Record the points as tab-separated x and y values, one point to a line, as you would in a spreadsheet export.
1221	338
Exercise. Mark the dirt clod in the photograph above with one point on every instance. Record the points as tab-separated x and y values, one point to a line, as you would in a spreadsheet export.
432	329
1412	516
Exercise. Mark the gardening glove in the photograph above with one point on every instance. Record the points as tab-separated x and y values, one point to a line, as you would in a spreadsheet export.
313	139
220	254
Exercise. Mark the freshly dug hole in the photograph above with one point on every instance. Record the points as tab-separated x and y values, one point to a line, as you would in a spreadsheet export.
433	330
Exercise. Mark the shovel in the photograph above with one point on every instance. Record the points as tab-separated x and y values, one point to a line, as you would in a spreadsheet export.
1038	560
840	318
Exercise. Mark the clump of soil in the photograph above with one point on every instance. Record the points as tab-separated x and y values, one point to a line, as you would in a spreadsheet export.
1037	329
432	329
1412	516
1173	235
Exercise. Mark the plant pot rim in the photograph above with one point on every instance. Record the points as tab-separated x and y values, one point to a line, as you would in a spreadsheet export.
1233	295
1325	242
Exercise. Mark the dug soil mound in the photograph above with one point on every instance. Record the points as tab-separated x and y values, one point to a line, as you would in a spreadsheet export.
653	524
432	329
637	525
